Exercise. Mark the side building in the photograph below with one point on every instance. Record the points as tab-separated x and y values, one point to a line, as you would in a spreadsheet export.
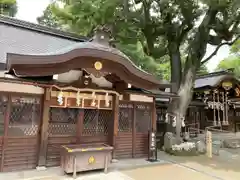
215	104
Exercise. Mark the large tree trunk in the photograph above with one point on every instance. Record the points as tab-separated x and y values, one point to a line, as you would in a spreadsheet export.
197	50
175	62
178	107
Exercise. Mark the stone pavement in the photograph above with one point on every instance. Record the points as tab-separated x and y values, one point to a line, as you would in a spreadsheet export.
57	174
169	168
219	167
167	172
94	176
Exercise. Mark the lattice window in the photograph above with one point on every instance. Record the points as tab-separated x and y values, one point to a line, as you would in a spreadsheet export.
63	121
3	108
25	116
125	117
143	118
96	122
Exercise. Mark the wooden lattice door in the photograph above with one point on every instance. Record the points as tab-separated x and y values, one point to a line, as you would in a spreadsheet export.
62	129
96	123
124	139
22	133
142	127
72	125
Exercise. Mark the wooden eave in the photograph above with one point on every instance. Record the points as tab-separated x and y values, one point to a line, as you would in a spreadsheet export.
83	55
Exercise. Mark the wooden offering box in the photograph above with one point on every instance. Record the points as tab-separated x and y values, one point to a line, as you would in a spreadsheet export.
85	157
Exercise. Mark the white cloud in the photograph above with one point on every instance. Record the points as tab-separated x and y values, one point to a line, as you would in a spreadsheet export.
29	10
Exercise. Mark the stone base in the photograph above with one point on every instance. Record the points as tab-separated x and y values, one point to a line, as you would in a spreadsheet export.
41	168
231	143
114	161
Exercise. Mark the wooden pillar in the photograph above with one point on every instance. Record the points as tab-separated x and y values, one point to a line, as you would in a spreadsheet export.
115	122
5	136
44	128
134	130
234	119
80	125
154	116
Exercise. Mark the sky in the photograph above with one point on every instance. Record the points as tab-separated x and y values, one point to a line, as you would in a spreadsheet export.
29	10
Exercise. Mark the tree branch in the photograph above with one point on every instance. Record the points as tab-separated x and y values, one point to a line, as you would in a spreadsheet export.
184	32
218	47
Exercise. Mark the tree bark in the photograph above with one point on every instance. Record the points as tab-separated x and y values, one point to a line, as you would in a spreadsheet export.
175	63
178	107
197	50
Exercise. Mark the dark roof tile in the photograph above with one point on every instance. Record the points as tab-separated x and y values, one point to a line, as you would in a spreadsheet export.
42	29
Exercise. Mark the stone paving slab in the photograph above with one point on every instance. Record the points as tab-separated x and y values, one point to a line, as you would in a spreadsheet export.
222	168
56	173
97	176
167	172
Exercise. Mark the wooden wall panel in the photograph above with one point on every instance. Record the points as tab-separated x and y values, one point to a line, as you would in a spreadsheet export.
94	139
141	144
1	148
124	145
20	153
54	150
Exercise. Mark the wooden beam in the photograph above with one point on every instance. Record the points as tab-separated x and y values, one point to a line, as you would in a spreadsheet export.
80	125
5	136
134	130
154	116
115	122
44	128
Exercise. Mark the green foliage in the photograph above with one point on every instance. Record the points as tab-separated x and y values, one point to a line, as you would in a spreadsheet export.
48	18
232	62
235	49
145	62
8	7
202	70
153	32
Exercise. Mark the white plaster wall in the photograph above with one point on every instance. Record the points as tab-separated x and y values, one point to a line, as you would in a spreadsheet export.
140	98
20	88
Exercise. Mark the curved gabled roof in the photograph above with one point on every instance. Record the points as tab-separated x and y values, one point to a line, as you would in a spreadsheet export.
212	80
82	55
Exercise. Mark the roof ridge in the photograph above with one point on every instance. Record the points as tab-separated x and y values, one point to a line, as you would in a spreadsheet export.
41	28
216	73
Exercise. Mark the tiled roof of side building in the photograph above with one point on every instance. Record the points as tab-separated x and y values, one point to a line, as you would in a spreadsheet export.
42	29
212	79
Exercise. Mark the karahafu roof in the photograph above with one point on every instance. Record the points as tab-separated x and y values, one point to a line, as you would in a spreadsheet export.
213	79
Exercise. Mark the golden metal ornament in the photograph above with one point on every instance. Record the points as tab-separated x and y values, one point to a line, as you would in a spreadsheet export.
91	160
98	65
227	85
